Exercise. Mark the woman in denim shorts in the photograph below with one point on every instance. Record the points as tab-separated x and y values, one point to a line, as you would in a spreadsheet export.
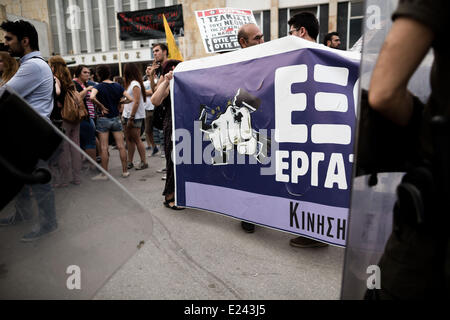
134	114
107	96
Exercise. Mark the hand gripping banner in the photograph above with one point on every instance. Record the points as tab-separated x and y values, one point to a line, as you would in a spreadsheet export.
265	135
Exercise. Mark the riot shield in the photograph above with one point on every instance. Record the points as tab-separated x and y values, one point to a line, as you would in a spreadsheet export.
374	191
62	234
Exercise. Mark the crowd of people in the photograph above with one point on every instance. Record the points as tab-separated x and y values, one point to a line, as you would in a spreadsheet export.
122	108
89	113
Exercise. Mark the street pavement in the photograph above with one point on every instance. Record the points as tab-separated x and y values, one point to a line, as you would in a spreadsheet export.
194	254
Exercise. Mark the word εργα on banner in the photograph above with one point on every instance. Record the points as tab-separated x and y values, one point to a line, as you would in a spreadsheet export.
219	27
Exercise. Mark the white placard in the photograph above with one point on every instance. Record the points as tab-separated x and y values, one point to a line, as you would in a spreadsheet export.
219	27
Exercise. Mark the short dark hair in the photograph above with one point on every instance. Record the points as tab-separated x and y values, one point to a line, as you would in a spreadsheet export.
163	47
22	29
306	20
329	36
103	72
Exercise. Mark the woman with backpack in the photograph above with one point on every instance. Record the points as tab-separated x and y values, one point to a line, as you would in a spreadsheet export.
134	115
70	159
107	95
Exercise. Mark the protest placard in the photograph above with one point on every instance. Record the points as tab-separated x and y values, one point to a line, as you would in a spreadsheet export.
219	27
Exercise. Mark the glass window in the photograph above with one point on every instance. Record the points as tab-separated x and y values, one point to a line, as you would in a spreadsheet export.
357	9
160	3
355	31
355	23
258	19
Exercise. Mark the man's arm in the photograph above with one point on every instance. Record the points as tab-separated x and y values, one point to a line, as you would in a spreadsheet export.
403	50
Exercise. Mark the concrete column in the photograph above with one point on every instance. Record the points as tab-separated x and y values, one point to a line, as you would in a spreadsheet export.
274	19
118	8
61	26
104	35
332	15
89	26
150	5
75	21
134	5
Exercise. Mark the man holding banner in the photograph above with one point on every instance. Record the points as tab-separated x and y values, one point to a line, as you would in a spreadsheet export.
249	35
305	26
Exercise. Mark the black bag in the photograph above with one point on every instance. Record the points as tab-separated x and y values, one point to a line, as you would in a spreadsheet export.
158	116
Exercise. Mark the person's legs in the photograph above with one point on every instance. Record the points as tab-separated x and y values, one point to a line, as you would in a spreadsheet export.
45	197
149	128
118	136
75	155
104	136
88	139
136	136
64	159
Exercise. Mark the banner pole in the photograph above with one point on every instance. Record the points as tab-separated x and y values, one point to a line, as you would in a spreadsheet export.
118	45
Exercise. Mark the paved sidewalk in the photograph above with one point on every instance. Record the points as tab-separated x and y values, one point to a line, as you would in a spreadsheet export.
194	254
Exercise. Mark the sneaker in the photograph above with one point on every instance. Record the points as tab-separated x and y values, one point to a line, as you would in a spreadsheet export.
35	235
155	151
164	177
125	174
163	155
248	227
100	177
302	242
162	170
13	220
130	165
142	166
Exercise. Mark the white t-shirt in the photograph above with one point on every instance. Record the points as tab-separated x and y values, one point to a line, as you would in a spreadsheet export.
148	104
140	113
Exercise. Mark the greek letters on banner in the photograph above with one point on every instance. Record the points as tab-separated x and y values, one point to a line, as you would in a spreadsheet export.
219	27
266	134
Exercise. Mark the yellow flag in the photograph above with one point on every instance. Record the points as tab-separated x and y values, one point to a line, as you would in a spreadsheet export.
174	52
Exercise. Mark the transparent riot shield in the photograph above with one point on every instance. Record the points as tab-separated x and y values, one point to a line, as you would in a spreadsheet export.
62	234
374	195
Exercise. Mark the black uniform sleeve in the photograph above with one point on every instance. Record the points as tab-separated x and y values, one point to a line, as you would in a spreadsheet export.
432	13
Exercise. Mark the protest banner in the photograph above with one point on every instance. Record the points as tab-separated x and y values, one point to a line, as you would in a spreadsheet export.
149	24
266	134
219	27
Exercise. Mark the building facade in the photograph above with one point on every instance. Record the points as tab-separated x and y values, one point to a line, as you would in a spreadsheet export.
84	31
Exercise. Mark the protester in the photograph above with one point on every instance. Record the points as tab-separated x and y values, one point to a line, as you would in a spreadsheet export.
8	67
149	107
332	40
134	114
107	95
415	263
305	26
161	54
161	98
87	126
249	35
70	160
34	83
